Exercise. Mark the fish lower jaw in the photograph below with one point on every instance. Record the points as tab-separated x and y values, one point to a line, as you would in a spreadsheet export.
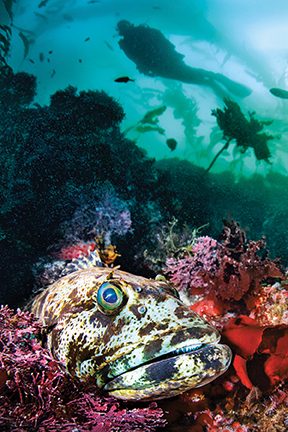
173	373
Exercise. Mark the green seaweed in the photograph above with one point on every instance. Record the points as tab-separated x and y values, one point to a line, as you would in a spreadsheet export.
149	123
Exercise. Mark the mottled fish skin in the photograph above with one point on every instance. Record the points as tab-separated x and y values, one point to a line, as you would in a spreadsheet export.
121	349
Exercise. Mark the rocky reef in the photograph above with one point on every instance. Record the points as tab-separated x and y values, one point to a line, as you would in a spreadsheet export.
70	183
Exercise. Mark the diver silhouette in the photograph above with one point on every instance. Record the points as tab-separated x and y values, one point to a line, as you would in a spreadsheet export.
154	55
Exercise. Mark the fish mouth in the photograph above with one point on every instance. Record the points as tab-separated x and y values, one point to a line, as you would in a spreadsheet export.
181	369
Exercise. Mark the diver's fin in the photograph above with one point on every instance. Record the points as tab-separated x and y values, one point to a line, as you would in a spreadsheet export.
84	262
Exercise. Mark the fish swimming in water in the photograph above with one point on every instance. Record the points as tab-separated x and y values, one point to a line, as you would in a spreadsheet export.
123	79
133	335
171	143
280	93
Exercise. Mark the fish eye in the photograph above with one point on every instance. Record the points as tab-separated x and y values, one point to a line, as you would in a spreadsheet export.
110	297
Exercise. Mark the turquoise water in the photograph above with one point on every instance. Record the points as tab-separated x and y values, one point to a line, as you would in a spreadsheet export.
243	40
189	58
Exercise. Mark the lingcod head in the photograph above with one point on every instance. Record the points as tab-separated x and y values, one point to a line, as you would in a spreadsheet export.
134	335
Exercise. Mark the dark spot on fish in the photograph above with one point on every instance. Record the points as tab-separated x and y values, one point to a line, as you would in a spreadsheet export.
178	337
72	278
180	312
161	371
156	291
113	330
198	332
87	39
55	339
73	352
152	348
91	292
146	330
86	353
135	310
50	52
80	60
50	328
214	364
103	319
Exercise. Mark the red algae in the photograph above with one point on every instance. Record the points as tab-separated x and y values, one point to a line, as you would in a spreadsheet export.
233	284
37	394
228	269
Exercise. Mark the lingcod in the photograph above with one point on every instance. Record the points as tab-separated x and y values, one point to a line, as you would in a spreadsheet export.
133	335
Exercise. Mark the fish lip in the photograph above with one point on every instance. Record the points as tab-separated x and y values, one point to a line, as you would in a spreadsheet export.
111	385
168	355
112	371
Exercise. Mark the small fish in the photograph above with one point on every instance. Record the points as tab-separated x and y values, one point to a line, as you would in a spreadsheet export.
87	39
42	3
31	61
80	60
280	93
171	143
124	79
93	1
109	46
53	73
133	335
41	57
50	52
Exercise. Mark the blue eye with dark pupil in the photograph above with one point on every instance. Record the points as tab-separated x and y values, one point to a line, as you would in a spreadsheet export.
109	297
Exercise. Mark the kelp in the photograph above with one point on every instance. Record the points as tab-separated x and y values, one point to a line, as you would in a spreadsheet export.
5	36
8	4
149	123
26	42
246	132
